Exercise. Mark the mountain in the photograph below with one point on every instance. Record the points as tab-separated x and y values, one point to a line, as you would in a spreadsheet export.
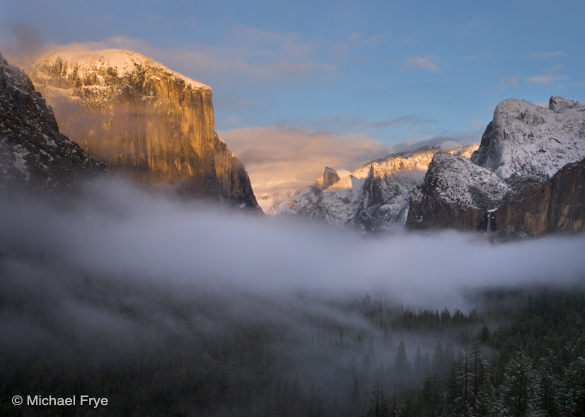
374	197
456	193
32	150
143	119
521	175
530	142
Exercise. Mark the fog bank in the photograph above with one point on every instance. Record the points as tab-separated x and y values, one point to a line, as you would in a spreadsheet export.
118	230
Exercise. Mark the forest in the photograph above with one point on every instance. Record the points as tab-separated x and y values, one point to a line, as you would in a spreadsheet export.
518	352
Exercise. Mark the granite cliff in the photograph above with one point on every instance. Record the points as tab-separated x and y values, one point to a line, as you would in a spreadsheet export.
456	193
33	153
143	119
524	178
556	205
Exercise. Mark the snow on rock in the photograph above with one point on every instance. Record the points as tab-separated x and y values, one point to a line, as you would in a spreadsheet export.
373	197
456	193
529	142
94	67
457	180
523	146
32	150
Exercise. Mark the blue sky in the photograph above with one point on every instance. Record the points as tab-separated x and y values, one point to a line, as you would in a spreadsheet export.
392	71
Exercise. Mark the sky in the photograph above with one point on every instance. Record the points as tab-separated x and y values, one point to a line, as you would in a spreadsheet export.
383	72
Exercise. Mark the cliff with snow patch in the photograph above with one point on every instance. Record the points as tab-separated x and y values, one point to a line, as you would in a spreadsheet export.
143	119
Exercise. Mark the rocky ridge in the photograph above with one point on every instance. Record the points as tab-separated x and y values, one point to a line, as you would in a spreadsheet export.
33	152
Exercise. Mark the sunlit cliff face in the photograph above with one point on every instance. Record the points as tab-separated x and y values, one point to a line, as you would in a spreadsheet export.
140	117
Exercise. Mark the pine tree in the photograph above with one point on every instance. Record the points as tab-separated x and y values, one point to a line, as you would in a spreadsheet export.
572	399
379	407
402	366
520	391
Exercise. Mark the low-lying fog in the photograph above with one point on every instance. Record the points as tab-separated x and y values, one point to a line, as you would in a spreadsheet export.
120	231
120	273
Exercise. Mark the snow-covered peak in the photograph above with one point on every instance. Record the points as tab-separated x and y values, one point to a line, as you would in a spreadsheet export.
457	180
83	63
533	142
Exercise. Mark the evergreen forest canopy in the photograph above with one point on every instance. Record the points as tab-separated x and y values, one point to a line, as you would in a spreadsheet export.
520	352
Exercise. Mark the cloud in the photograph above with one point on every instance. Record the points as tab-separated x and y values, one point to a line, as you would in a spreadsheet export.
540	79
265	36
25	45
365	40
511	81
426	63
404	42
475	24
408	119
442	141
245	55
550	75
357	41
281	159
549	54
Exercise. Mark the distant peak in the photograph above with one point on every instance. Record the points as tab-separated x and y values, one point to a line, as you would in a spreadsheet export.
332	175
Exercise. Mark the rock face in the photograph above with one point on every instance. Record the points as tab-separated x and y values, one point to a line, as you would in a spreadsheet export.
374	197
143	119
555	205
232	178
33	152
456	193
507	184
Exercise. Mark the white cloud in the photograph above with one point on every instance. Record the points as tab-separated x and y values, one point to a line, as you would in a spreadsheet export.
550	75
549	54
248	54
511	81
407	119
427	63
540	79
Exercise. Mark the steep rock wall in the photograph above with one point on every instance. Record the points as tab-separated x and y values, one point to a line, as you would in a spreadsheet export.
142	119
553	206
